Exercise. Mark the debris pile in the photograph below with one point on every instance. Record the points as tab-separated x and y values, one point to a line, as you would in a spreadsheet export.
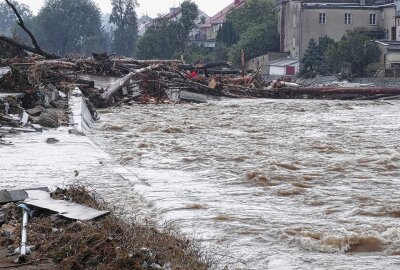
106	80
104	242
26	103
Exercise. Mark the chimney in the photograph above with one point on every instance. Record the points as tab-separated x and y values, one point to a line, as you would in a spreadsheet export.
172	11
362	2
237	2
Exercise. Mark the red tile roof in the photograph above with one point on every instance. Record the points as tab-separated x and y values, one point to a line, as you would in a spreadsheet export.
220	16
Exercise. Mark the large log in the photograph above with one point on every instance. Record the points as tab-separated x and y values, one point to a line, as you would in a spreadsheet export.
342	90
203	66
145	62
57	64
124	81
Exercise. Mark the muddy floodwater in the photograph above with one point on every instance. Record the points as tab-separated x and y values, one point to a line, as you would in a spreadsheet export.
269	184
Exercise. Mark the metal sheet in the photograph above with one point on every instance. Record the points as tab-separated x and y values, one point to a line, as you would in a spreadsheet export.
67	209
16	195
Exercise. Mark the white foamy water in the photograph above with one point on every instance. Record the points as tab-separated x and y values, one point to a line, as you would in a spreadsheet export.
278	184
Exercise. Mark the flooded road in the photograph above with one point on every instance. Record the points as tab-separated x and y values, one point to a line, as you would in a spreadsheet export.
273	184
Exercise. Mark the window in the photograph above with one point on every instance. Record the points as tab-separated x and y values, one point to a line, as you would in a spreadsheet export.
372	19
347	18
322	18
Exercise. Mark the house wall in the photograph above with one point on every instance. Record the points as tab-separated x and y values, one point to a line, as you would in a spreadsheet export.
388	57
383	50
389	21
214	30
301	23
263	61
290	27
335	26
279	71
398	28
392	57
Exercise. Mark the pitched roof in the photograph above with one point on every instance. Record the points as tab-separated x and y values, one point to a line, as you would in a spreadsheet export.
220	16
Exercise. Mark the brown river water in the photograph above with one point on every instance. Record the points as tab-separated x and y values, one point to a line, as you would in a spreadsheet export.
269	184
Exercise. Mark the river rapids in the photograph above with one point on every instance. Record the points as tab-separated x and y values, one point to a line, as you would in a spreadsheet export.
268	184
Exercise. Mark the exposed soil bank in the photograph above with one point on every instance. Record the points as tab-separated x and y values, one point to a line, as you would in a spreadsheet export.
108	243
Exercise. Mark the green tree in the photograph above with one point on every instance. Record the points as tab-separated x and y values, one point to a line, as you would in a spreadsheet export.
167	39
161	41
123	16
8	20
254	12
227	34
221	51
257	24
196	54
189	12
256	41
312	60
64	26
355	49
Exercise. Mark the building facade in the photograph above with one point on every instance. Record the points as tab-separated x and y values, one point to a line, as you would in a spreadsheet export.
209	29
303	20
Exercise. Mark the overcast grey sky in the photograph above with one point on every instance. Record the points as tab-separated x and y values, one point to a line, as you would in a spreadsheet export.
150	7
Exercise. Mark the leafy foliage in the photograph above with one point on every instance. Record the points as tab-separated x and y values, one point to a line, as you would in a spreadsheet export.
67	26
123	16
356	49
254	12
256	41
355	52
221	51
312	61
161	41
257	24
196	54
227	34
190	12
167	39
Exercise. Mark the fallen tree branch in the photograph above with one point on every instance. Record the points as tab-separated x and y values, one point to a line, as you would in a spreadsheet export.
36	48
124	81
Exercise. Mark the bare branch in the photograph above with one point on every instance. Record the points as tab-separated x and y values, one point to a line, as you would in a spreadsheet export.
36	48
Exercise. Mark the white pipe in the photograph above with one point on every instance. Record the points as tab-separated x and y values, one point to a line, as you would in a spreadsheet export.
24	234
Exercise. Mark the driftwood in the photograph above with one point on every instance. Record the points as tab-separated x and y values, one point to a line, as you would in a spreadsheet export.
36	48
57	64
145	62
124	81
203	66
